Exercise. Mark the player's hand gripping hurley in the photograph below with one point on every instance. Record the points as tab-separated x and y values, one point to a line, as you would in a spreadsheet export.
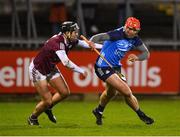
93	48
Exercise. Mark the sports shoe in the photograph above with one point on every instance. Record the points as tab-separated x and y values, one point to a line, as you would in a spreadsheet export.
50	115
146	119
98	117
32	121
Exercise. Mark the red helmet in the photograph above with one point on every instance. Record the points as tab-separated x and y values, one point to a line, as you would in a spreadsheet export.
132	22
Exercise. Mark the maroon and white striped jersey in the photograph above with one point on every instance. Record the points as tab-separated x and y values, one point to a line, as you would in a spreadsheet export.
46	59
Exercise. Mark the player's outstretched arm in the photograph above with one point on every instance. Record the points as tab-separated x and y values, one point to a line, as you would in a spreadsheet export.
84	44
68	63
99	38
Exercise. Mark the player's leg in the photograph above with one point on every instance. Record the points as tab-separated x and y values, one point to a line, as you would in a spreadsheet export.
62	88
131	100
62	91
105	97
42	88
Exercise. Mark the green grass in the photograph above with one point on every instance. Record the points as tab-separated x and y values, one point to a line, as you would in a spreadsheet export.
75	118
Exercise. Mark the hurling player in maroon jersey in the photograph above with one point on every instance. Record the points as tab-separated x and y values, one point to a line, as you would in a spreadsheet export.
43	71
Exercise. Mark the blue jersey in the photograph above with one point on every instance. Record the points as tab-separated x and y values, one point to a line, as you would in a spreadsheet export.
115	48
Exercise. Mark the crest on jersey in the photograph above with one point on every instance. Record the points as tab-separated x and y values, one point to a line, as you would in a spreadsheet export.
62	46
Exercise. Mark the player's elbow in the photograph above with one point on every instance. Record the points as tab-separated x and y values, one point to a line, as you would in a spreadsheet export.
148	55
93	38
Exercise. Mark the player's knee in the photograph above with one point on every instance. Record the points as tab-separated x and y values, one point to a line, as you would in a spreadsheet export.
111	94
65	93
127	94
48	102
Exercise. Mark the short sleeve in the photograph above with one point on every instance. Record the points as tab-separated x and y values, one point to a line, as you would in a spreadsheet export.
138	42
116	34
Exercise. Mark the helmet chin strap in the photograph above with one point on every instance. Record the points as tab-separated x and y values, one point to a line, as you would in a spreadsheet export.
67	36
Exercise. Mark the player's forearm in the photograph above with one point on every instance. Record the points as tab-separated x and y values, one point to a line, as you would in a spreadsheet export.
68	63
98	38
82	43
144	53
74	67
143	56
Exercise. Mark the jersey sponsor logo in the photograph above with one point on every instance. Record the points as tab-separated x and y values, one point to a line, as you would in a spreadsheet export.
126	44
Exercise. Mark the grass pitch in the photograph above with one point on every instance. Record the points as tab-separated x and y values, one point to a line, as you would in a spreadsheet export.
75	118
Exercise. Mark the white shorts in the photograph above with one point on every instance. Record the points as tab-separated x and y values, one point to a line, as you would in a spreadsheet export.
35	75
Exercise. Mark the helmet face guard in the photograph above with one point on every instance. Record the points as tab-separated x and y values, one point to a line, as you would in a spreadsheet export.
133	23
74	27
69	26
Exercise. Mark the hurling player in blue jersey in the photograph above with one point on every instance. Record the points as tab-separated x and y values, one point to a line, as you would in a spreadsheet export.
116	44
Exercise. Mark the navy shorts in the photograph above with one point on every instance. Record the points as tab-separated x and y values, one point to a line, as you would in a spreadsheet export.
104	72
